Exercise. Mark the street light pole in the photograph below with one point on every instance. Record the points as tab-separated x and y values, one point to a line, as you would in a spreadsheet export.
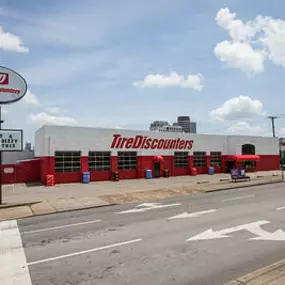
273	118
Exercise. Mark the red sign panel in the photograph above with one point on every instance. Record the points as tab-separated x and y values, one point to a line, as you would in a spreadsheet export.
144	142
4	78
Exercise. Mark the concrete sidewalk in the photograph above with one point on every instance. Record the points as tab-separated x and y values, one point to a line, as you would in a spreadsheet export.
273	274
23	201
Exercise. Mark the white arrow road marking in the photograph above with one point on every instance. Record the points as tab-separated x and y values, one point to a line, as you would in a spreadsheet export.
281	208
192	215
13	264
251	227
147	207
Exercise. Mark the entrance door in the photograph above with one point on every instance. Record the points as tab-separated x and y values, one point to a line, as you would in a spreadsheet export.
157	169
230	165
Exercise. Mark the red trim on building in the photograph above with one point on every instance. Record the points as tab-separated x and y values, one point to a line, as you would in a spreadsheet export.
36	170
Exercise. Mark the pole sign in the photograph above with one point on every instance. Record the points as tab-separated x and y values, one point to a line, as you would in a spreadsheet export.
13	86
11	140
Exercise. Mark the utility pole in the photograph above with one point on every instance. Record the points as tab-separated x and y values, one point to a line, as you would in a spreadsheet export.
273	118
1	198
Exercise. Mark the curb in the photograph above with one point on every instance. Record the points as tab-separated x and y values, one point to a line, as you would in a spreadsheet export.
271	272
58	212
71	210
29	204
245	186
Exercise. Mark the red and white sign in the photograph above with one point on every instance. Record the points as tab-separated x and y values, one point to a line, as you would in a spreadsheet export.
145	142
13	86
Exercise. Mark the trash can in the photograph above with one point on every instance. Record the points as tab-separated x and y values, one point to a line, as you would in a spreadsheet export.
211	170
49	180
148	174
116	175
85	177
166	173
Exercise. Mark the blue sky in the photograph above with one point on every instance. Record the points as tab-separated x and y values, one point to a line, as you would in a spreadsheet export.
125	63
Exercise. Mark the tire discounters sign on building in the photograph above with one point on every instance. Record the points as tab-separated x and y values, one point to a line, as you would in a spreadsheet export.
13	86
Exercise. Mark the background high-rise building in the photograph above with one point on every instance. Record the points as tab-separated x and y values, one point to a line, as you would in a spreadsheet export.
183	125
28	146
193	127
184	122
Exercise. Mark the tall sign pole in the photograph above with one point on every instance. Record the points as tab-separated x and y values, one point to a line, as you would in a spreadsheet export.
13	87
1	122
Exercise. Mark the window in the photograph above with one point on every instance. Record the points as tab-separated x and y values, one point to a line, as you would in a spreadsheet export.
199	159
181	159
67	161
216	158
249	164
248	149
99	161
127	160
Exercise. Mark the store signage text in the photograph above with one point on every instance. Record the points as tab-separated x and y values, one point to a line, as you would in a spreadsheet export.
11	140
144	142
13	86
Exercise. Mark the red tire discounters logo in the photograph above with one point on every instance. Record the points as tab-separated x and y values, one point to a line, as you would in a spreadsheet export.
144	142
4	78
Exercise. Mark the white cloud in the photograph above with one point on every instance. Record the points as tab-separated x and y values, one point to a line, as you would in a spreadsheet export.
54	110
266	32
10	42
241	55
273	38
192	81
238	108
44	118
281	132
31	99
247	129
238	31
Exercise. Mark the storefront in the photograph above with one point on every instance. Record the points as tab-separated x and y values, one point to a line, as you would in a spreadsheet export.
66	152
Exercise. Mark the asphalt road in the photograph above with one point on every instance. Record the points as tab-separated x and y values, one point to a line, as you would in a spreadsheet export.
144	244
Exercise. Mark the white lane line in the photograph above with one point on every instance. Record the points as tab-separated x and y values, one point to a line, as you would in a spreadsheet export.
60	227
13	264
238	198
281	208
84	252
